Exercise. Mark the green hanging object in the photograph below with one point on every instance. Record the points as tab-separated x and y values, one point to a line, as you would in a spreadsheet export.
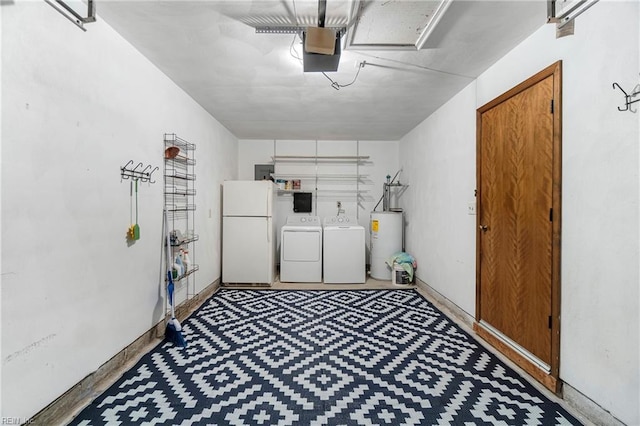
136	227
131	226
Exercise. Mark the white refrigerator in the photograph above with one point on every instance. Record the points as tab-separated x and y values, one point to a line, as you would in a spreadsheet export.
248	232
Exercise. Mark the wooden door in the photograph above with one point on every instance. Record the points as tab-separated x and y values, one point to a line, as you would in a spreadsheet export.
518	177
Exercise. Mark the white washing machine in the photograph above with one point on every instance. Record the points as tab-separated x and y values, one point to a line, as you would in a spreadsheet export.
344	251
301	250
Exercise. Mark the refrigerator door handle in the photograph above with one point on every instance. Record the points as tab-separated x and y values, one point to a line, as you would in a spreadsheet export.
268	231
269	196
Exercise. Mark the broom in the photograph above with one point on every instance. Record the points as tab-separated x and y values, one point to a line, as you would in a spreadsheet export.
173	332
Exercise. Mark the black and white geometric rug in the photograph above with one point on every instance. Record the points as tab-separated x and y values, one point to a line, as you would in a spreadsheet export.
364	357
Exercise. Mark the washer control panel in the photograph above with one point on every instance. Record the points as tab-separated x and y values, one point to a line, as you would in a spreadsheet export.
340	220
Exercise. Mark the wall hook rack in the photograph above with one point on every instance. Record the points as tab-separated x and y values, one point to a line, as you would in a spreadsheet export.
134	173
628	98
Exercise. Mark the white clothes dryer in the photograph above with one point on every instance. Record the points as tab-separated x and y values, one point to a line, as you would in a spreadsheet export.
301	250
344	251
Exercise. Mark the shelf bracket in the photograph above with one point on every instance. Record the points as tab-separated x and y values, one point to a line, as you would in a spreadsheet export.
563	14
67	11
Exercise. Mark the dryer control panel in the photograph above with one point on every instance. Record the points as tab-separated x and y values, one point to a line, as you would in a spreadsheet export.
303	220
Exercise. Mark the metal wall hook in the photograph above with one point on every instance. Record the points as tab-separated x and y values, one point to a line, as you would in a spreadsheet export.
143	175
124	171
628	98
151	173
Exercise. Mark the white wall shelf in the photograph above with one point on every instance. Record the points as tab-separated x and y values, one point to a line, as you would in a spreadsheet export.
335	177
316	158
293	191
321	176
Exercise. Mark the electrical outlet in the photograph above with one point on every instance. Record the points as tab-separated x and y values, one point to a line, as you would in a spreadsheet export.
471	208
339	204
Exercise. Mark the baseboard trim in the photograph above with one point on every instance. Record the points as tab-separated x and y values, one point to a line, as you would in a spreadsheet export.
542	376
441	301
189	306
588	408
68	405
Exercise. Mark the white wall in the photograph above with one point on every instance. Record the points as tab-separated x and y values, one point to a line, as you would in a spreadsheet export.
75	108
251	152
1	133
600	245
439	160
383	160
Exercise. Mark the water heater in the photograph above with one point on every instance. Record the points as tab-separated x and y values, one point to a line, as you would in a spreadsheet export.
386	240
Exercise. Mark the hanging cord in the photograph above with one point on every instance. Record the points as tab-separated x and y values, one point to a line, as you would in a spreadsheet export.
337	85
292	50
294	53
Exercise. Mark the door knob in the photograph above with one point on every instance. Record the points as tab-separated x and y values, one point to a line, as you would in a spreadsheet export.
484	228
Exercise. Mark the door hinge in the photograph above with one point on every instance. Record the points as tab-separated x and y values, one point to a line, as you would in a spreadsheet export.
551	106
550	321
551	215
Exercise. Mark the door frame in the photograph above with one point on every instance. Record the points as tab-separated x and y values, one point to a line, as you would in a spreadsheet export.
549	379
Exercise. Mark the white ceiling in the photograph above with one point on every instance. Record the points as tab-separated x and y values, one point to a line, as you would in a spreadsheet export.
255	87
